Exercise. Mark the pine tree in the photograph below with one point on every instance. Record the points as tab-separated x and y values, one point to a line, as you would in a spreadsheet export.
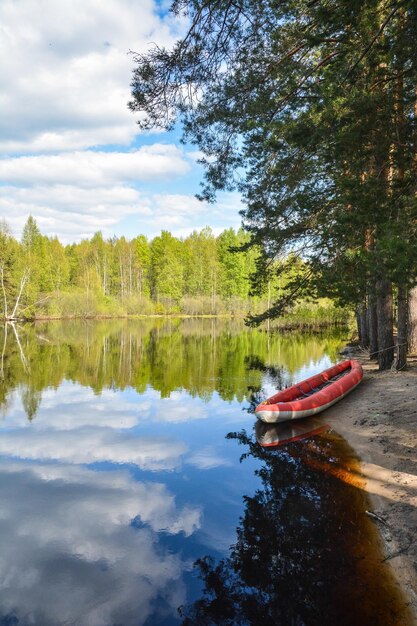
317	103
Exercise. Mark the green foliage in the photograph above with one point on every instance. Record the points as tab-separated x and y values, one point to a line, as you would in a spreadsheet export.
31	236
210	355
143	264
167	274
234	274
9	262
202	268
198	275
308	109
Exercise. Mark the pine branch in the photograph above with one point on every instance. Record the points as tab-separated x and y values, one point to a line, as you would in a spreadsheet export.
371	43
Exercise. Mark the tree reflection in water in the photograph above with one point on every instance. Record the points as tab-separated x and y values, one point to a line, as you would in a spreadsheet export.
305	551
203	357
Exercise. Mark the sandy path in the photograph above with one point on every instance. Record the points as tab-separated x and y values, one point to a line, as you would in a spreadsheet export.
379	420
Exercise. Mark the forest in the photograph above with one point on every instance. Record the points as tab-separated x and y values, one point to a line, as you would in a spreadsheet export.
197	275
309	109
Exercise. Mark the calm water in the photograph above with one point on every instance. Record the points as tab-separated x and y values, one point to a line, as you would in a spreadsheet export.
116	476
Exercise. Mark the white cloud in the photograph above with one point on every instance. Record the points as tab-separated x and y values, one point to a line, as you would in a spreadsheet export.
181	214
77	407
179	409
88	168
67	78
73	213
207	458
64	88
149	501
70	554
177	207
90	445
70	212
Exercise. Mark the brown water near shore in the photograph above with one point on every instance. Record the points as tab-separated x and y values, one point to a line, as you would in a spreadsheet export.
379	420
308	550
370	593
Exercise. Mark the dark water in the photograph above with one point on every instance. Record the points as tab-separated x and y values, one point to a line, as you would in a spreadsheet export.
120	450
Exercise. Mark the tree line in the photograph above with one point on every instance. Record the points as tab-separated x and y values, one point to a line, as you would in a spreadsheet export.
198	274
309	108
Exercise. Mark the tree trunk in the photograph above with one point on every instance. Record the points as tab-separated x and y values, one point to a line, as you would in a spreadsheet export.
412	321
372	327
402	328
122	280
362	320
5	311
23	281
105	274
385	324
130	271
364	326
358	325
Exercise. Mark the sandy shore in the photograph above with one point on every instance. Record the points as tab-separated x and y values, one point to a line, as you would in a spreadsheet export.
379	421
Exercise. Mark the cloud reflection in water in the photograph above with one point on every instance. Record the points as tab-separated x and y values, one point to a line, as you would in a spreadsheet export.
70	554
80	546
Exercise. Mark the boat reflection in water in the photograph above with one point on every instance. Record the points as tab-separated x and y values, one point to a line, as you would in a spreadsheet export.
305	553
273	435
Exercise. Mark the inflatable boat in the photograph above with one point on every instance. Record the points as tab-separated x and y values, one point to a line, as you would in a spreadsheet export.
313	395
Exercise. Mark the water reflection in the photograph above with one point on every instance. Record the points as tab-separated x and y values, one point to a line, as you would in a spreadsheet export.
201	356
73	550
304	554
115	474
92	446
273	435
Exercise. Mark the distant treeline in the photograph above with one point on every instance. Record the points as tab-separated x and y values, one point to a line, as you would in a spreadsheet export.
196	275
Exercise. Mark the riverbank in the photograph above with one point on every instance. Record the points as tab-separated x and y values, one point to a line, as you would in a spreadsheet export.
379	421
281	324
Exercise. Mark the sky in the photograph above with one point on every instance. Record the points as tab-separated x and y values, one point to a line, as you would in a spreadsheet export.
71	152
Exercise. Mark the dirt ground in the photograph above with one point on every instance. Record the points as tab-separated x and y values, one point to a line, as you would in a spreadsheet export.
379	421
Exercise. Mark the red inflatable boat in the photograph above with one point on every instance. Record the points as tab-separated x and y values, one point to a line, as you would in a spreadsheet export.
312	395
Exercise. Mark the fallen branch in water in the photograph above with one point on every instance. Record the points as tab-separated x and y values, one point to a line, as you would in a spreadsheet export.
376	517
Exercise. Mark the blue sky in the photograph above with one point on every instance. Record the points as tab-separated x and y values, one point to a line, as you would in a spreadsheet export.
71	151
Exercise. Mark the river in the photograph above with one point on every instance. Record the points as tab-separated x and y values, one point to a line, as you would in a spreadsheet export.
134	491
